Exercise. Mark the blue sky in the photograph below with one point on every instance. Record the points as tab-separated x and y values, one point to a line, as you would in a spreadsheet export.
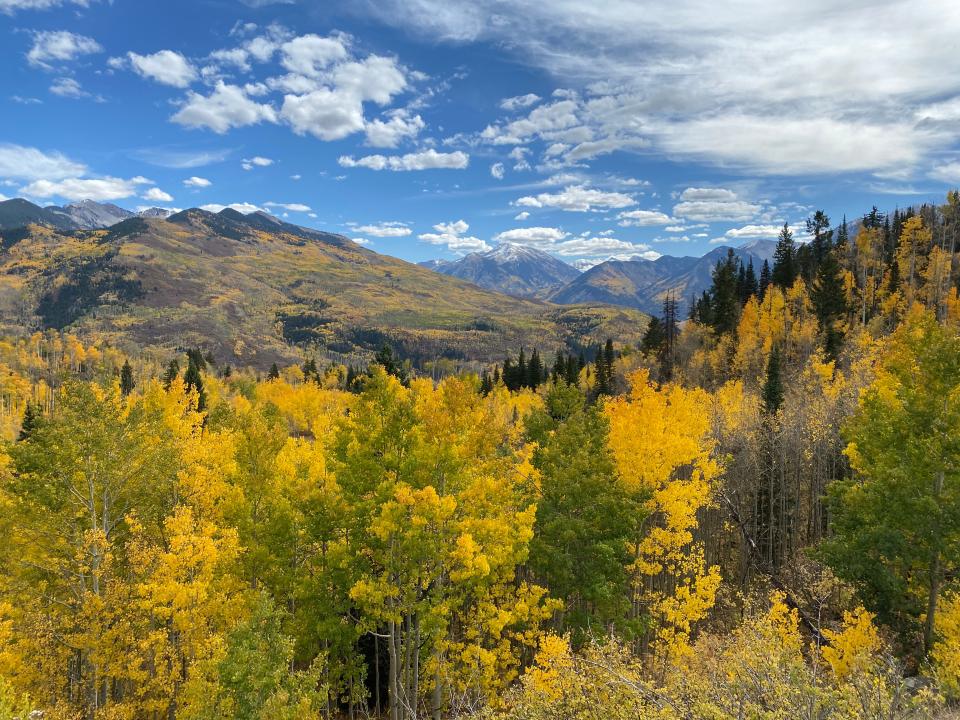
432	128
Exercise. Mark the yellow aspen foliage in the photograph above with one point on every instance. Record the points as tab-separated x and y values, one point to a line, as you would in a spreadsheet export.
945	655
553	660
661	444
853	647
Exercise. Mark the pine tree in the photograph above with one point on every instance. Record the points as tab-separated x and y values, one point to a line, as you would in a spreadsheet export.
534	370
773	385
724	299
227	371
601	376
521	372
784	260
193	379
171	374
486	384
310	370
386	359
572	370
32	417
829	299
750	286
655	338
764	281
126	379
609	357
274	373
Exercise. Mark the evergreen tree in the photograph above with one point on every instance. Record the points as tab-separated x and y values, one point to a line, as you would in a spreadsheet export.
227	371
750	286
609	358
655	338
601	385
559	367
386	359
829	299
274	373
784	260
773	385
572	370
486	384
764	281
534	370
32	417
724	298
521	372
126	379
193	379
310	370
171	373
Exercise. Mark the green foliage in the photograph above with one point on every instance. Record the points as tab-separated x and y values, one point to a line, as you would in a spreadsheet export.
896	524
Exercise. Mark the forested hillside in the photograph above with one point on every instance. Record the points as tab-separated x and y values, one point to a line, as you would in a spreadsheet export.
754	512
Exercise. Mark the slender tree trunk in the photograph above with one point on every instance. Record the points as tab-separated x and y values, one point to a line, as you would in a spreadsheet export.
394	673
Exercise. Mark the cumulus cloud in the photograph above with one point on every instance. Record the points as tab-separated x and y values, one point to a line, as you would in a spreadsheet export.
713	204
386	229
398	126
104	188
59	46
28	163
226	107
453	236
69	88
428	159
578	198
760	232
256	161
644	218
155	194
948	172
325	114
166	67
540	237
292	207
310	55
543	122
497	171
197	182
521	215
243	207
519	102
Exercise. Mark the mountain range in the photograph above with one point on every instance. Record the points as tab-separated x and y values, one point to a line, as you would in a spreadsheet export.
82	215
510	269
253	289
638	283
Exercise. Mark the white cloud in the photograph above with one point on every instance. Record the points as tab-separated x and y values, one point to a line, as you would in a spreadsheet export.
155	194
310	55
56	46
522	215
424	160
542	122
399	126
497	171
948	172
541	237
762	232
453	236
386	229
713	204
68	88
519	102
244	207
644	218
519	155
9	7
226	107
256	161
604	246
578	198
362	241
292	207
197	182
104	188
325	114
375	78
29	163
166	67
727	84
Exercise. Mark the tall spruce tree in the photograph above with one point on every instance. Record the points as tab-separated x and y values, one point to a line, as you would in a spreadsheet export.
773	384
193	378
764	281
784	260
126	379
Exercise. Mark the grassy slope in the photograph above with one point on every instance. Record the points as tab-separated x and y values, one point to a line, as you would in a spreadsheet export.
246	292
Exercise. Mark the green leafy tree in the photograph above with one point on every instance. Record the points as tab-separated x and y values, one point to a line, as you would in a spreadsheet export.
896	523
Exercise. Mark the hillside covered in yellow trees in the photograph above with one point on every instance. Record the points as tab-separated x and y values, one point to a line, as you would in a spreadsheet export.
750	513
254	290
